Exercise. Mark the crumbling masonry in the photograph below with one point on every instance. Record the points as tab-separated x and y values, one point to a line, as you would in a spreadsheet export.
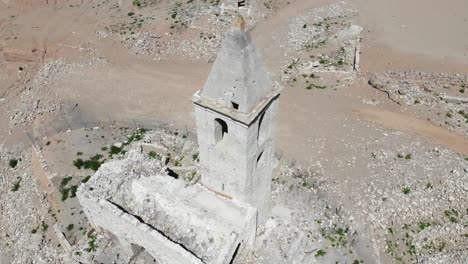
214	220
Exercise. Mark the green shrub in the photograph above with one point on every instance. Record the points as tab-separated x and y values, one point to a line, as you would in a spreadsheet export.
320	253
78	163
70	227
406	190
131	14
114	150
86	179
16	185
73	190
153	155
65	181
65	194
12	163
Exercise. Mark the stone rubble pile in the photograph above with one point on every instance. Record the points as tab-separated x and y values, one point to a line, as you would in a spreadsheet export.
24	232
37	98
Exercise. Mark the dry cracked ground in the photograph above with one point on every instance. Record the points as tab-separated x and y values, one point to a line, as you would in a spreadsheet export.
372	142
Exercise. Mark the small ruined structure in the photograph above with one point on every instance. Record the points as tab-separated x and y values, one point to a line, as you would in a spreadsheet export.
214	220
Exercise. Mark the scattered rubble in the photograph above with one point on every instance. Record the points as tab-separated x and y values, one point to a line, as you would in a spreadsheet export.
437	97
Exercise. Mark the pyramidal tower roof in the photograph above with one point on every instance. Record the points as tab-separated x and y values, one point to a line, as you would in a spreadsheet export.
238	78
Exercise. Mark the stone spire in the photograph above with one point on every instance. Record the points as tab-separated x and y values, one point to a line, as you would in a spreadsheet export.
238	78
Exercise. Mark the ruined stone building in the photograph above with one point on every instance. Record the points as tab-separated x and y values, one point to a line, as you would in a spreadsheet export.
214	220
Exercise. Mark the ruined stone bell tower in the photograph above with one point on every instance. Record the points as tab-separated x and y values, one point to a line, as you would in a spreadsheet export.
235	115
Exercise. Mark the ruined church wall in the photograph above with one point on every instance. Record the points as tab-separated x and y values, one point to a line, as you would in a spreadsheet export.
130	230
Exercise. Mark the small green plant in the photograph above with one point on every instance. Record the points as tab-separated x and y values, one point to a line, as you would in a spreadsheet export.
16	185
130	13
65	194
153	155
92	246
448	114
423	225
408	156
86	179
177	163
429	185
12	163
114	150
44	226
417	101
93	163
406	190
70	227
79	153
78	163
73	190
400	156
195	156
104	148
65	181
320	253
34	231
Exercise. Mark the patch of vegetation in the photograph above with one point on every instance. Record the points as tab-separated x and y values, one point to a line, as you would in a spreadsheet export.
408	156
65	194
453	215
70	227
73	190
114	150
320	253
424	225
154	155
195	156
78	163
130	13
65	181
92	246
104	148
93	163
79	153
16	185
13	163
86	179
44	226
406	190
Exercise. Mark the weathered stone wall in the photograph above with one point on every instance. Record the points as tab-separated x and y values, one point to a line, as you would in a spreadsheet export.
130	230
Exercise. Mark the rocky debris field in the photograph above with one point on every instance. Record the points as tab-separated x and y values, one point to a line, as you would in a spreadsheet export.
38	98
304	227
438	97
25	221
323	40
408	197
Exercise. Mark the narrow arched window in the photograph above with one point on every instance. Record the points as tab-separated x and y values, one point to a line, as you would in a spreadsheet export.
221	129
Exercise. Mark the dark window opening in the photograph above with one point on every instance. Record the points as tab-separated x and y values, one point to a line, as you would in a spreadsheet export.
221	129
235	106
